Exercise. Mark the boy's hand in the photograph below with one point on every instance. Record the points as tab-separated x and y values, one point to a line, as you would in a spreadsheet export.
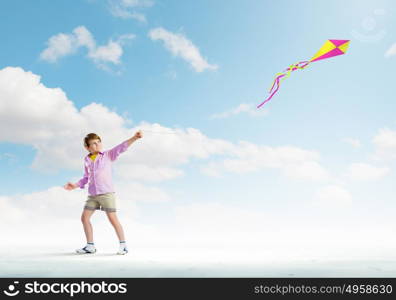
138	135
70	186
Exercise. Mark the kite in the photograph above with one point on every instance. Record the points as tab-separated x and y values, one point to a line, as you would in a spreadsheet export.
329	49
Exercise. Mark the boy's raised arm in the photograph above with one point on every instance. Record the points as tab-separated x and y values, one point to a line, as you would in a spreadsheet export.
117	150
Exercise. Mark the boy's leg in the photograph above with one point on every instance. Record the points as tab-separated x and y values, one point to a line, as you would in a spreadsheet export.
85	219
112	216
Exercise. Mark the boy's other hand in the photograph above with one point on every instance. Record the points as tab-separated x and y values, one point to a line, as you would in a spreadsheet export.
70	186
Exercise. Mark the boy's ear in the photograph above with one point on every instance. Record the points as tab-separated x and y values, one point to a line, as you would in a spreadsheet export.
86	148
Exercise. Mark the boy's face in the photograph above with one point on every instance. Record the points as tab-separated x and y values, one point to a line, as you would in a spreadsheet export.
95	146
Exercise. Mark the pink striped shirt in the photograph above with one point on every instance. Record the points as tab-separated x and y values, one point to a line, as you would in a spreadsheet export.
97	173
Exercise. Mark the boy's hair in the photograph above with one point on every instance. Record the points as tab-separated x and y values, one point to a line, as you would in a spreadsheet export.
89	137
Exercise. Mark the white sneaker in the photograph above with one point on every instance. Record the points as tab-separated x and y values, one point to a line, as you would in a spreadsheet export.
122	251
87	250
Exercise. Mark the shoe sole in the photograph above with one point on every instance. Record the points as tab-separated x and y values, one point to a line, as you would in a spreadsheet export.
86	252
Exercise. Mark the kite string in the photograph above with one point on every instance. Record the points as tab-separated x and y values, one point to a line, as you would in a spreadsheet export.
152	131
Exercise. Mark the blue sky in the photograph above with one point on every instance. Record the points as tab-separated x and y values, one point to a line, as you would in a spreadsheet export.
330	128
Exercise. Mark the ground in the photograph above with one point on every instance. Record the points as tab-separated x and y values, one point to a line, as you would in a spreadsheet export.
178	262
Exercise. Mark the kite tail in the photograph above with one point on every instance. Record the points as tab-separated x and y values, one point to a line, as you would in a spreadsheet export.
272	91
282	76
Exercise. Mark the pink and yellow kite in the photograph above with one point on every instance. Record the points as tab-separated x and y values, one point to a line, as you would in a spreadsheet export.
329	49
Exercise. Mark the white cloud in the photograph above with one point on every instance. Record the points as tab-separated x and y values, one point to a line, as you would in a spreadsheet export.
292	161
179	45
127	9
58	46
83	37
63	44
53	216
33	112
134	192
391	50
57	212
57	203
333	196
385	144
247	108
147	173
110	53
21	211
8	212
365	172
47	120
231	227
212	169
120	12
308	170
220	222
253	234
167	147
353	142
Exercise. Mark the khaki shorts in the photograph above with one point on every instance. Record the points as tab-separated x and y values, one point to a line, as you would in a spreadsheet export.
106	202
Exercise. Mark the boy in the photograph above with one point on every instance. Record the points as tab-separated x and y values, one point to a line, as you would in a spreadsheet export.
97	166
